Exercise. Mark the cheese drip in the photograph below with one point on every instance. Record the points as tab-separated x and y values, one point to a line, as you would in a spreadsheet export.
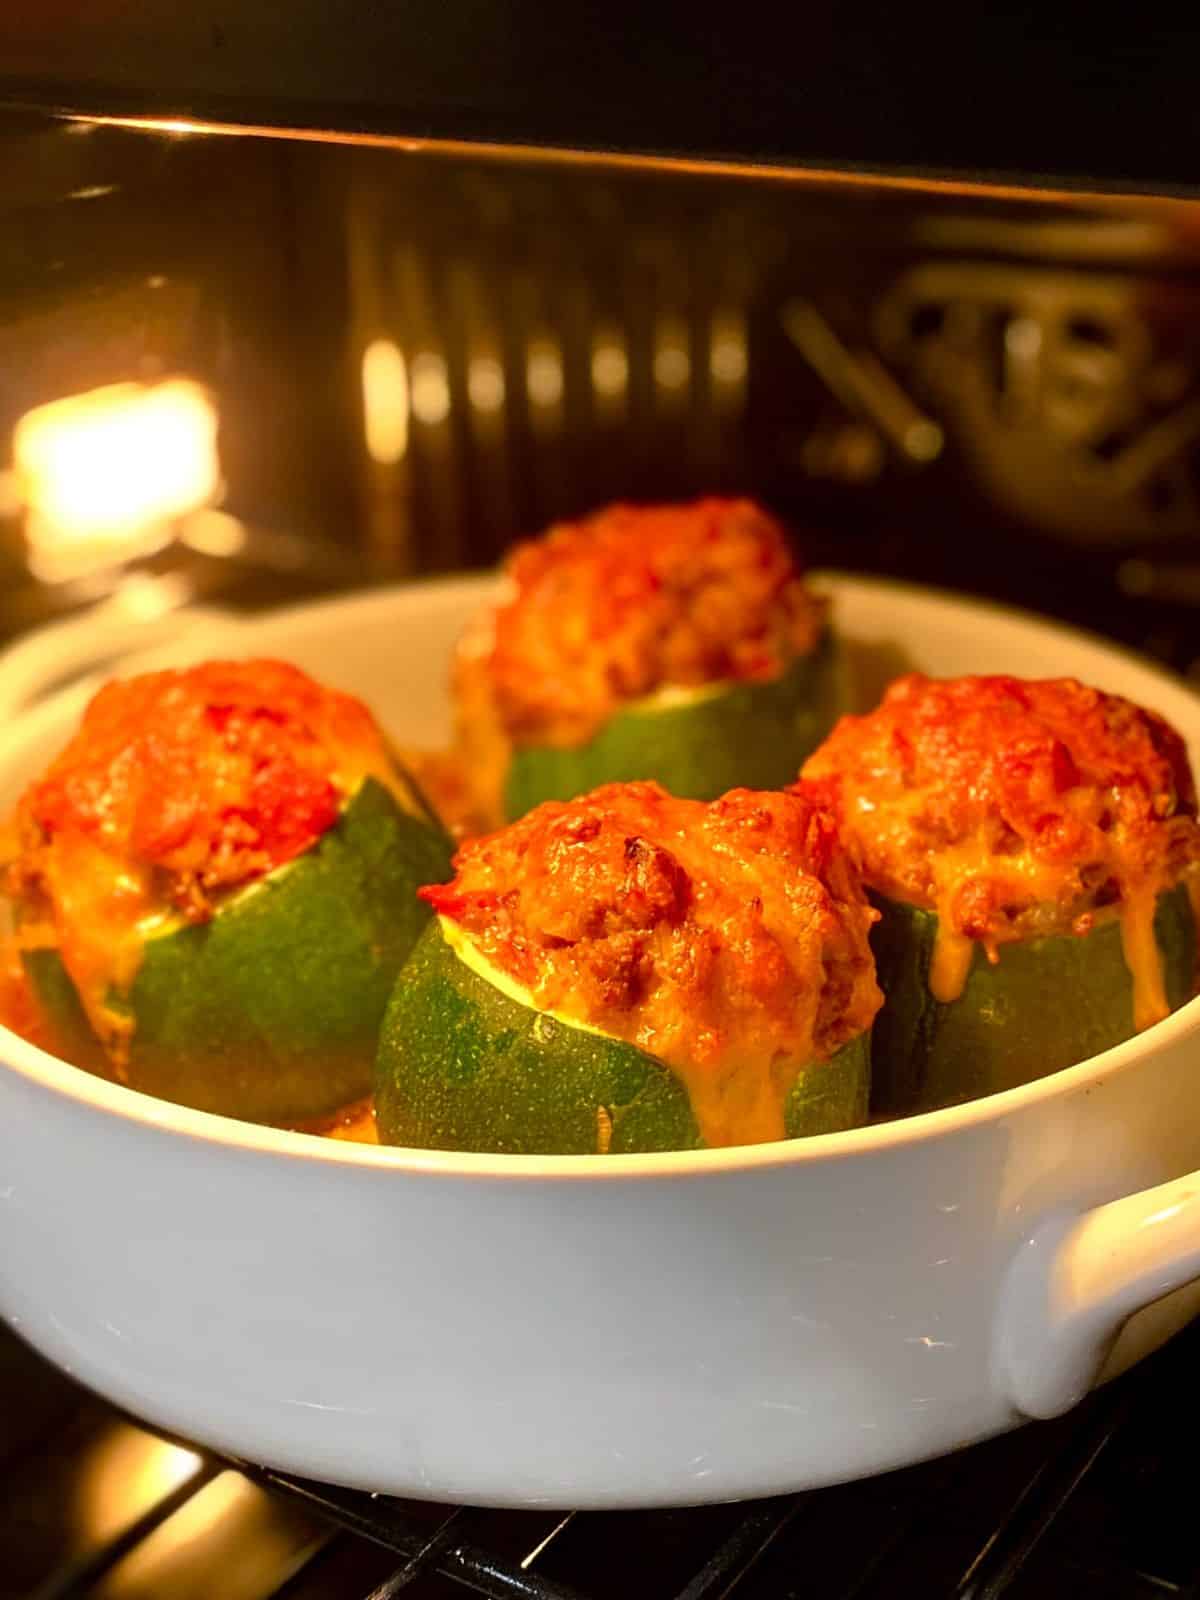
1038	886
99	910
950	962
743	1102
1144	960
740	1102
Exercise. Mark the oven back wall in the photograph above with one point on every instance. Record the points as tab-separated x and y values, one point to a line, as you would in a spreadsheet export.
416	358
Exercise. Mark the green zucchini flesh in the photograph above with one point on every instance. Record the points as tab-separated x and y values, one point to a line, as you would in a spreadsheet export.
743	735
270	1011
1044	1005
464	1066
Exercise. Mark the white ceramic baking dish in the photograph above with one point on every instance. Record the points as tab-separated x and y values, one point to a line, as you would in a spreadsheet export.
606	1331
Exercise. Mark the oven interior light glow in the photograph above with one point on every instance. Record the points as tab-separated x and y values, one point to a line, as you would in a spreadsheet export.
430	389
727	358
610	366
672	358
104	475
385	401
485	383
544	373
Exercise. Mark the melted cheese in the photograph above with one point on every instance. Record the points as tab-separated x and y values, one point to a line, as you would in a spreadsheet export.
178	790
100	906
741	1103
1040	882
1144	960
1017	810
950	963
104	911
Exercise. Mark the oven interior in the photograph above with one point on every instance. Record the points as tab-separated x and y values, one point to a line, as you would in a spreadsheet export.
240	369
350	362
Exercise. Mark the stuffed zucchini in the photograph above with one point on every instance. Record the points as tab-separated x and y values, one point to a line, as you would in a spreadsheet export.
673	643
1032	847
631	972
215	886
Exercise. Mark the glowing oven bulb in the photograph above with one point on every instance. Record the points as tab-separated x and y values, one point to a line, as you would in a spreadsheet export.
103	475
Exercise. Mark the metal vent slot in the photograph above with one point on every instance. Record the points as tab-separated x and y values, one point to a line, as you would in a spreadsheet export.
561	349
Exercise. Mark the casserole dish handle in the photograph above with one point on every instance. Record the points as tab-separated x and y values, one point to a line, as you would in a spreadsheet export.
1078	1279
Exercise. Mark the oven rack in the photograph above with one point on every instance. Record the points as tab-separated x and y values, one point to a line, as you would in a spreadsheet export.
1099	1503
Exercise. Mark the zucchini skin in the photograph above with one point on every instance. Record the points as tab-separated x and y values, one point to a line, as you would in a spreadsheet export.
1045	1005
462	1066
270	1012
749	736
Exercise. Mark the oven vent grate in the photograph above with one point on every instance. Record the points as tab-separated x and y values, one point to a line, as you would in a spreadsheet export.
1097	1503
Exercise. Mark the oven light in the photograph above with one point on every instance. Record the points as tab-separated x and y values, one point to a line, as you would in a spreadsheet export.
544	373
430	389
610	366
385	401
485	383
727	361
672	362
103	476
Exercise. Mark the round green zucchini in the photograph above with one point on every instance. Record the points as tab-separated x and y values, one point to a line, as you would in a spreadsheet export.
741	735
1046	1004
271	1010
464	1066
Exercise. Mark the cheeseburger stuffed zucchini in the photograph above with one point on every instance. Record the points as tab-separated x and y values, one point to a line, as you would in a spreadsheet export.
673	643
631	972
214	889
1033	849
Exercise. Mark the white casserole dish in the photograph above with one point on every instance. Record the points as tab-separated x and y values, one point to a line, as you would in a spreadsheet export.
605	1331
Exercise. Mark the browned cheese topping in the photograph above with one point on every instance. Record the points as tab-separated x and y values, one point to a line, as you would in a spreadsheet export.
729	940
599	613
176	788
1015	809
